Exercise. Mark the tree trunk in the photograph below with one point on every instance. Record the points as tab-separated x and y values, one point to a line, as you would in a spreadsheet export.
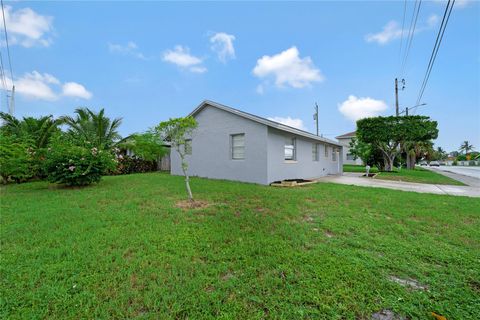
411	159
388	160
185	173
187	185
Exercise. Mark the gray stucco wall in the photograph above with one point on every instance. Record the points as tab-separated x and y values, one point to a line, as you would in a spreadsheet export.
211	155
303	167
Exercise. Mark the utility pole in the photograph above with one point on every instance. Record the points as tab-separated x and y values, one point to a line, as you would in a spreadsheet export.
406	111
12	101
315	116
396	97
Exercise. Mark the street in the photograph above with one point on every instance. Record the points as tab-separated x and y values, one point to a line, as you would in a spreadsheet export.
467	175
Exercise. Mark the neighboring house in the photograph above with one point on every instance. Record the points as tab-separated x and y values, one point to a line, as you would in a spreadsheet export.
234	145
345	140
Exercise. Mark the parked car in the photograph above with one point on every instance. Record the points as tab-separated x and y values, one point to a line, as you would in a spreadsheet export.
423	163
434	164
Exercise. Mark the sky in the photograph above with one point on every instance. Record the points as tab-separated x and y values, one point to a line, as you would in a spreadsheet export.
149	61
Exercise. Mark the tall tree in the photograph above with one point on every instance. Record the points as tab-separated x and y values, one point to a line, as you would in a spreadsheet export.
388	134
93	127
466	147
178	131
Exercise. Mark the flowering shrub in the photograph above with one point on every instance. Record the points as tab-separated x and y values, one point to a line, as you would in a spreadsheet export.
128	164
76	165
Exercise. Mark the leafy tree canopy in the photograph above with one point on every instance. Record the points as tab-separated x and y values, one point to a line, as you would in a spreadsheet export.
389	133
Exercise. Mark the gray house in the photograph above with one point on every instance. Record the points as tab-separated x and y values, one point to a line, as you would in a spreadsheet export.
235	145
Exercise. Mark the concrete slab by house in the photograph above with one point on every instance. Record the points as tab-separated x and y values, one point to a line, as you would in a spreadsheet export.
356	179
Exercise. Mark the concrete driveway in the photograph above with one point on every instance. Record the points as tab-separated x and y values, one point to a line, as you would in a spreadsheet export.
356	179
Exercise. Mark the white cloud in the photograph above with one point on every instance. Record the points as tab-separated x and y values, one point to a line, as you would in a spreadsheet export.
357	108
459	4
222	44
392	31
296	123
199	69
43	86
130	49
73	89
181	57
28	28
288	69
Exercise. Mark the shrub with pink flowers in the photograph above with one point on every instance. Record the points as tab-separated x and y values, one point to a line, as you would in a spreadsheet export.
76	165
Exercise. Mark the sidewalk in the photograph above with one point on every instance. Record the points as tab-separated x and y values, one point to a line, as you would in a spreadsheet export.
357	180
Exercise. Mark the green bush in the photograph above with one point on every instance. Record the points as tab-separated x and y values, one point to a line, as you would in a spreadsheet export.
16	157
76	165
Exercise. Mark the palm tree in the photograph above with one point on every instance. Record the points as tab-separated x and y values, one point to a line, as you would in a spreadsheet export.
93	127
441	154
38	130
417	150
466	146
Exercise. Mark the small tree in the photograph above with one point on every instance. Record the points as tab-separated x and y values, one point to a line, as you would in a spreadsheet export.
148	146
360	150
177	131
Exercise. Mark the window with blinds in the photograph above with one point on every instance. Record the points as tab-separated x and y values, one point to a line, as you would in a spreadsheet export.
290	152
238	146
188	146
314	151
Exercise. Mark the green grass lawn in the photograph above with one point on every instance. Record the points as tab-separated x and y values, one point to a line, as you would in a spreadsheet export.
122	249
419	175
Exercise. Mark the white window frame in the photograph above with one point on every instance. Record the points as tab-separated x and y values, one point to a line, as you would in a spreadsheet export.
315	156
294	149
233	147
187	147
334	154
326	151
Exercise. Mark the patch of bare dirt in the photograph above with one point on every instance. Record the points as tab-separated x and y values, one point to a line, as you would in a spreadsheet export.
412	283
227	276
329	234
386	314
192	204
307	218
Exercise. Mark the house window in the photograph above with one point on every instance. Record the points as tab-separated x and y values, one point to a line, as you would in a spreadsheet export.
334	154
314	151
290	153
350	156
326	151
238	146
188	146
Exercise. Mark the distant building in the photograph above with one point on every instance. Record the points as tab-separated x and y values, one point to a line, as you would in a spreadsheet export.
345	140
234	145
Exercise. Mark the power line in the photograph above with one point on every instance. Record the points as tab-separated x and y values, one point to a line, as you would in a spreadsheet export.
6	41
403	26
413	24
2	73
433	56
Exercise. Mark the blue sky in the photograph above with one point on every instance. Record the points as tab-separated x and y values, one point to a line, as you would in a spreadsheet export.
148	61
